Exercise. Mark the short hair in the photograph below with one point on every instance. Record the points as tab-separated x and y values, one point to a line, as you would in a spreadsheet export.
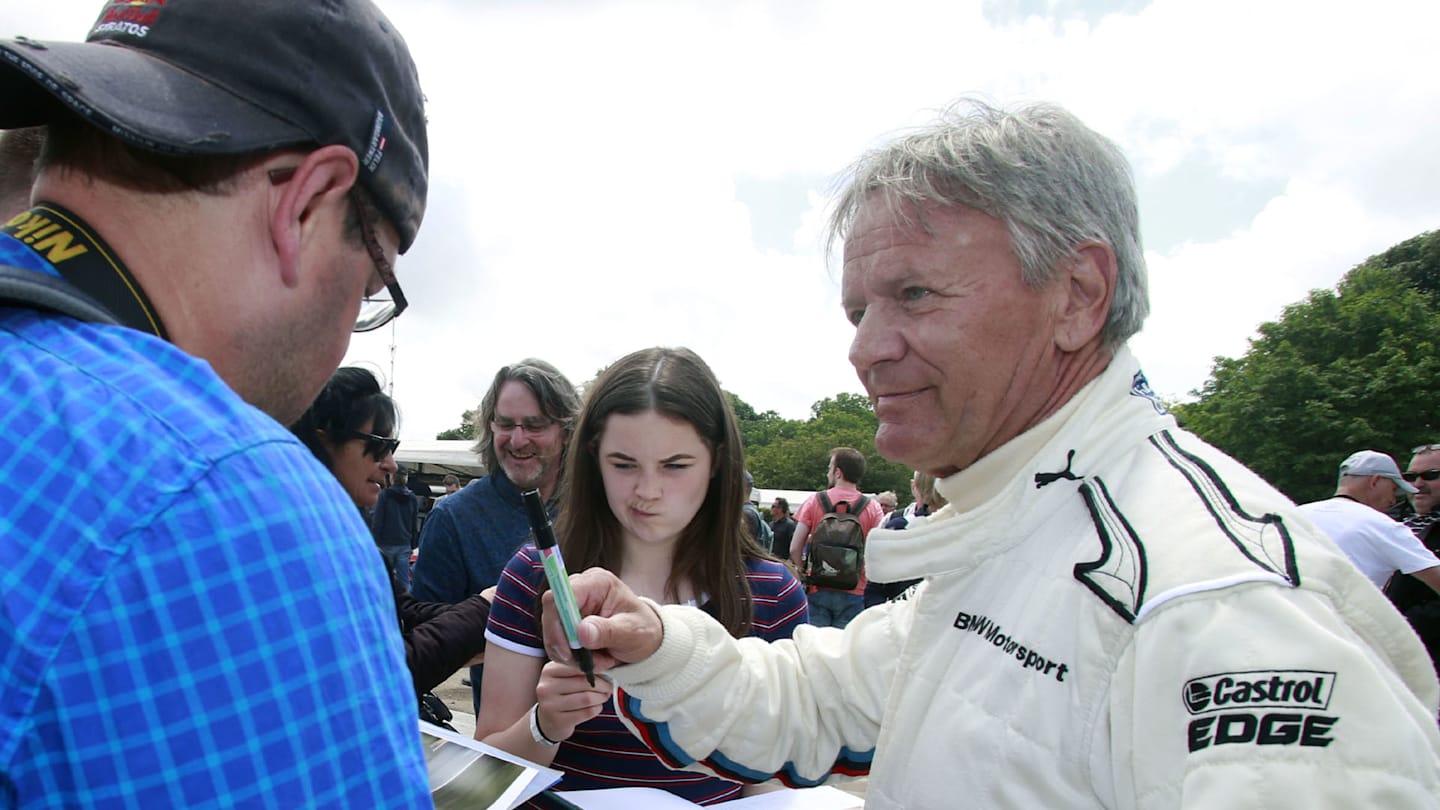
782	503
19	150
850	462
557	396
74	146
713	548
1053	181
888	499
71	145
450	478
350	398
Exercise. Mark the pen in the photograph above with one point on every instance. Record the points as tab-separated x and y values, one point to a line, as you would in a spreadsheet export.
559	579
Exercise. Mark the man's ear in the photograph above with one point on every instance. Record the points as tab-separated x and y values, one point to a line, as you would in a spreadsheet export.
1089	286
320	183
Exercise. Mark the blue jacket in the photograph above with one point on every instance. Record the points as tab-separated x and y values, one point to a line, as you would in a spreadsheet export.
394	521
468	538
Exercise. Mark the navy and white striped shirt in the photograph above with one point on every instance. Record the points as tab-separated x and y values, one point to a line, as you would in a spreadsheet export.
602	753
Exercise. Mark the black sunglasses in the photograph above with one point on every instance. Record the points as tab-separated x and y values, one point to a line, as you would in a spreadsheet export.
376	447
1428	475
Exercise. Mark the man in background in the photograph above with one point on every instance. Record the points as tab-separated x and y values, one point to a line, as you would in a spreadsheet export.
524	425
831	607
1408	593
396	511
888	501
451	482
782	527
194	613
1355	519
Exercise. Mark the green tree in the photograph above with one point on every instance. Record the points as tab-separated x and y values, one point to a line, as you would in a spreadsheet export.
800	455
466	430
759	429
1344	370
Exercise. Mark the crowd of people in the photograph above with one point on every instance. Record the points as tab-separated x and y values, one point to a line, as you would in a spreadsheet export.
1085	606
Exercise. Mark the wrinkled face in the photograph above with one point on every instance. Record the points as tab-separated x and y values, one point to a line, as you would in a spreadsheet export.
656	472
361	475
956	352
1428	496
527	442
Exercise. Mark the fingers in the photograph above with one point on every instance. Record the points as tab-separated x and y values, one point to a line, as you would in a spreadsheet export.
566	700
628	636
618	626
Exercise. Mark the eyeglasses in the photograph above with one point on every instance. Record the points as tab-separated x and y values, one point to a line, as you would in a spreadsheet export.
531	425
1428	475
376	447
375	310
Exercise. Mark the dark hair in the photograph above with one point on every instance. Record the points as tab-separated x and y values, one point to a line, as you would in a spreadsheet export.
72	145
850	462
713	549
19	149
782	503
349	399
557	397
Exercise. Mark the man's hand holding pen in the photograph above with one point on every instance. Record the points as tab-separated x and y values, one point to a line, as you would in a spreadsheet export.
617	626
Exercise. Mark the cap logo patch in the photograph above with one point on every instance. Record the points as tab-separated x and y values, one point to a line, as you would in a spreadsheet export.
133	17
376	150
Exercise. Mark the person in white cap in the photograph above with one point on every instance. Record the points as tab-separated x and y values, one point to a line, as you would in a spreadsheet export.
1370	484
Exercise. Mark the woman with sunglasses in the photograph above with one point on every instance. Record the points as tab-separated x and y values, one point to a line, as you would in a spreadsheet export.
348	429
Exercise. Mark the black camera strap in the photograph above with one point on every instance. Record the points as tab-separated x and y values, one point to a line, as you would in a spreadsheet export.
94	285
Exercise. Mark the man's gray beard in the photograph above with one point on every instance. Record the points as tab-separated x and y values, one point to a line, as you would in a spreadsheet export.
522	485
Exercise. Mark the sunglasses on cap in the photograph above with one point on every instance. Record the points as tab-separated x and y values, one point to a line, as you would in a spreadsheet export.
376	447
1428	475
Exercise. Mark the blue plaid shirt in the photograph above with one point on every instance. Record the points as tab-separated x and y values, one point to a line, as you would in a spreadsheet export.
193	612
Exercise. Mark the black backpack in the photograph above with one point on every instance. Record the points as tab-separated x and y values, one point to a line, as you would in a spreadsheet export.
837	545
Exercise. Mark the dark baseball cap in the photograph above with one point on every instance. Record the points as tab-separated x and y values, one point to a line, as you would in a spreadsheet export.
234	77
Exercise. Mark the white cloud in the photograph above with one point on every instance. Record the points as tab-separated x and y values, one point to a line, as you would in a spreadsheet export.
585	158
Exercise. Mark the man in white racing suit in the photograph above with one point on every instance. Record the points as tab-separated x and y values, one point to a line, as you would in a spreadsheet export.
1113	613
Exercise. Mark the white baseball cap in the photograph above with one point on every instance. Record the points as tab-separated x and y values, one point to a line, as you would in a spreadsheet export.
1370	462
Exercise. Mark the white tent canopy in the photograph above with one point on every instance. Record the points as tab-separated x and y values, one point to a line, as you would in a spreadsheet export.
438	457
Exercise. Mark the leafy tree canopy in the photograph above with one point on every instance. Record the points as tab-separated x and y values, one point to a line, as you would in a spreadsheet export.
466	430
1348	369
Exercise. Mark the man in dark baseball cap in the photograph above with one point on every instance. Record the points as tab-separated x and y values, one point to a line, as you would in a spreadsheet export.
194	613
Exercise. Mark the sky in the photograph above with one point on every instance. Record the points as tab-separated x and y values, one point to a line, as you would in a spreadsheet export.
607	176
